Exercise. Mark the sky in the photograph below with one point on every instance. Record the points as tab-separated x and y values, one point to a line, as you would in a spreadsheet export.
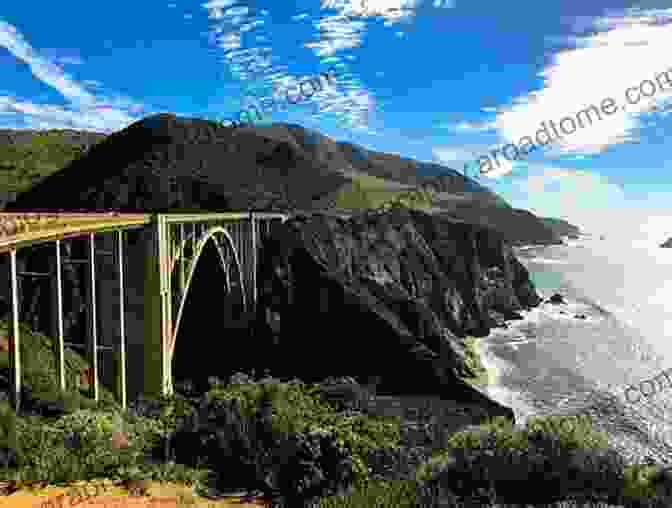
445	81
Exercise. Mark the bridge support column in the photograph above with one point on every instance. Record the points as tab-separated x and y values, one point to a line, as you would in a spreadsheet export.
157	378
16	338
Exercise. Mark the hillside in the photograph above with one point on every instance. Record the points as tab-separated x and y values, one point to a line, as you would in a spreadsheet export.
165	162
28	156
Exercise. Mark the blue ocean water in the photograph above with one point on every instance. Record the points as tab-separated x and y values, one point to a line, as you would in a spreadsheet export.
580	357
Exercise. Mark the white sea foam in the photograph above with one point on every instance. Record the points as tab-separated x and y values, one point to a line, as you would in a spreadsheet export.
625	292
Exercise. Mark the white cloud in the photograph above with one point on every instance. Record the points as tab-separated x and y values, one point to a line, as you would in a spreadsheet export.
42	68
589	200
624	51
475	126
87	111
391	10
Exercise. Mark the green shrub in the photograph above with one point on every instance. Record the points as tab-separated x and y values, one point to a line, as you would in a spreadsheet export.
379	494
248	452
574	431
637	480
299	408
166	415
40	377
474	370
8	437
562	459
76	446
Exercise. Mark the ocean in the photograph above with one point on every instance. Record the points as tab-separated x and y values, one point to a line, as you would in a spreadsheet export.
553	363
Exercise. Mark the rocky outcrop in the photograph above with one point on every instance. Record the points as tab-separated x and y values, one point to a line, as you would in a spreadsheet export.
389	294
667	244
561	227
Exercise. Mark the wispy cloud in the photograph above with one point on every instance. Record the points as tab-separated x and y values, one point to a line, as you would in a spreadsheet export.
86	111
68	60
622	50
390	10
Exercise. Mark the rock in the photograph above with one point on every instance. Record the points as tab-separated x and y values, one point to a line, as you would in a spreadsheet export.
8	487
120	440
580	316
86	377
667	244
556	299
561	227
5	343
397	284
662	481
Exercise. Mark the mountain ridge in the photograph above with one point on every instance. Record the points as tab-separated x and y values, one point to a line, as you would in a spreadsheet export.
187	163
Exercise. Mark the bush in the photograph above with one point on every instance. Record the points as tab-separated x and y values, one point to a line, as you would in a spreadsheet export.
497	457
344	394
8	438
40	388
157	421
247	452
76	446
637	480
395	463
299	408
399	494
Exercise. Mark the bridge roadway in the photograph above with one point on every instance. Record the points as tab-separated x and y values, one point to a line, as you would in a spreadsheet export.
159	270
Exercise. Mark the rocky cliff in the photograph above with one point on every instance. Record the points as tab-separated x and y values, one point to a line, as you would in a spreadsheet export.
389	294
561	227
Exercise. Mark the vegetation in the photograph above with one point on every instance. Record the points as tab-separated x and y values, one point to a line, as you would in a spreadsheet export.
302	443
475	372
40	375
367	192
22	165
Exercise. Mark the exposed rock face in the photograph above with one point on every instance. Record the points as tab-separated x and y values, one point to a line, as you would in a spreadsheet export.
561	227
389	294
556	299
667	244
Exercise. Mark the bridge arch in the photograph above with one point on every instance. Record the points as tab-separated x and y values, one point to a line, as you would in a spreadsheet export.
227	254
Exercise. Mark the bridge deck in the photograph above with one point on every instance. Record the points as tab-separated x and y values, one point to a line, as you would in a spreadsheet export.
25	229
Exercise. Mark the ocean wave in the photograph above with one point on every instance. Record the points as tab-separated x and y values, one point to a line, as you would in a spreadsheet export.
547	261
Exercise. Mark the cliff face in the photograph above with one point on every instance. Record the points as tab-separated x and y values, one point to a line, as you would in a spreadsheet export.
389	294
561	227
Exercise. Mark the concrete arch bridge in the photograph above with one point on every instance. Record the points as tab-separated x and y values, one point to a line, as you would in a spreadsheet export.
138	272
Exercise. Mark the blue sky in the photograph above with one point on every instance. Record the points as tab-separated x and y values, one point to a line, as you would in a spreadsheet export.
436	80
